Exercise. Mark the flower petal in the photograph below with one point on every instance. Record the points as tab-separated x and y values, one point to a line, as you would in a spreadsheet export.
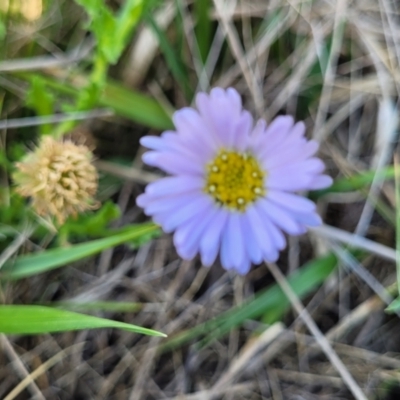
253	250
210	241
321	182
291	201
281	218
187	236
174	185
232	246
170	221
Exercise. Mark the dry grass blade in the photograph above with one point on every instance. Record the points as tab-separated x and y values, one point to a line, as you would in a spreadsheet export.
329	75
54	119
16	244
41	370
47	62
319	337
225	12
20	369
247	356
386	133
356	241
127	173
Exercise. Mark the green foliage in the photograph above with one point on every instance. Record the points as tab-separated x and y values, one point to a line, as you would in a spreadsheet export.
361	182
112	32
19	319
33	264
172	58
124	102
135	106
4	162
355	182
114	306
91	224
203	28
3	29
13	211
41	100
394	306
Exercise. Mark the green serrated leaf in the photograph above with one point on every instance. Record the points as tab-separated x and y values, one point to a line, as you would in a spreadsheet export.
112	32
17	320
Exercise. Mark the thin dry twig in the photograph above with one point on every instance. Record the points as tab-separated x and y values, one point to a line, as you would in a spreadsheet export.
329	76
41	370
20	368
319	337
224	13
54	119
353	240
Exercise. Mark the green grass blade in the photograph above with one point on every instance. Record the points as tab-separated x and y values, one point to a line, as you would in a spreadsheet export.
32	264
203	27
114	306
135	106
354	182
174	62
19	320
303	282
394	306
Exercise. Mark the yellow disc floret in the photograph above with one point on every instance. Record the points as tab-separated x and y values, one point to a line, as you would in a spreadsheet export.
234	179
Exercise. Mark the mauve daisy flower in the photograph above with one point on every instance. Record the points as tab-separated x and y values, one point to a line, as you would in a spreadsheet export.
232	185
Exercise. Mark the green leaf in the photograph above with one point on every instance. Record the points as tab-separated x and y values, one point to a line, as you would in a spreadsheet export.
19	319
3	30
124	102
112	33
32	264
128	18
174	62
394	306
91	224
354	182
203	32
114	306
136	106
41	100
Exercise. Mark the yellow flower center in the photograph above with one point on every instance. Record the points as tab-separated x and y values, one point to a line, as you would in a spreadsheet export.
234	180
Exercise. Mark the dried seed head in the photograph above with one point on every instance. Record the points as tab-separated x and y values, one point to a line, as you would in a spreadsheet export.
59	177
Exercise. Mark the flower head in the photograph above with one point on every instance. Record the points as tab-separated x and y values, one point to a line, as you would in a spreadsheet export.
232	185
59	177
